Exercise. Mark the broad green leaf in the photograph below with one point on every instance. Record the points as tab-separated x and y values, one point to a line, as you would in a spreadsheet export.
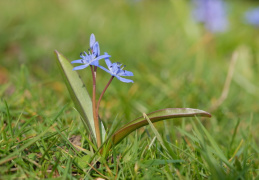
155	116
79	94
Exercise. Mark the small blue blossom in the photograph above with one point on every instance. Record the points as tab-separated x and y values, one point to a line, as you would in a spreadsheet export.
92	58
116	70
212	13
252	17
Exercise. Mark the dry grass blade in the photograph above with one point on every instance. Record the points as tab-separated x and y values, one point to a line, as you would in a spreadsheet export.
226	88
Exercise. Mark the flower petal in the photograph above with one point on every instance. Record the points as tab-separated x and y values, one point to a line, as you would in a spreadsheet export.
107	54
80	67
124	80
108	63
125	73
78	61
103	68
96	49
102	57
92	41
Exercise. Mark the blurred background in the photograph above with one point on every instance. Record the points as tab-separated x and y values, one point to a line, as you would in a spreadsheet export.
176	59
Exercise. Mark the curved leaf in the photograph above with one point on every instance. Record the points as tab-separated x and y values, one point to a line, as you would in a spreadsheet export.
155	116
78	93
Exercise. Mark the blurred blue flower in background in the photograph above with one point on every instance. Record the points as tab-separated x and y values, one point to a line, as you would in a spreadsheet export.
92	58
116	70
252	17
212	13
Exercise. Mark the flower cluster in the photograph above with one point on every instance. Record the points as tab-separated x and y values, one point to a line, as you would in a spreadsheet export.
93	57
212	13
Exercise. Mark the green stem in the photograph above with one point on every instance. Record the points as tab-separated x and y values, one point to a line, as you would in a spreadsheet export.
95	114
107	85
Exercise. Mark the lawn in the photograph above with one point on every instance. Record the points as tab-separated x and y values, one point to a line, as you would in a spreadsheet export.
176	62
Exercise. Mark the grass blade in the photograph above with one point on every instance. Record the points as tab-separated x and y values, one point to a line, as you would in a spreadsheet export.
12	155
9	120
215	146
159	138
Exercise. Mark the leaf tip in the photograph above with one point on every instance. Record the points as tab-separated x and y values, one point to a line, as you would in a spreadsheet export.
56	51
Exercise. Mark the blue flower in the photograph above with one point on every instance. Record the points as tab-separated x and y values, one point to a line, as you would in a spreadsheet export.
252	17
92	58
212	14
116	70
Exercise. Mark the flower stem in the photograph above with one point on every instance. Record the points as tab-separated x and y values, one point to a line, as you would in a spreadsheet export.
98	104
95	114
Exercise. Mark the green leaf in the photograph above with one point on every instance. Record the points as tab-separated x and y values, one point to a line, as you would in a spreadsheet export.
79	94
155	116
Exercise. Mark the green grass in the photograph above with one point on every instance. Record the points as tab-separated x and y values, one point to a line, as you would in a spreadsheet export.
175	62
